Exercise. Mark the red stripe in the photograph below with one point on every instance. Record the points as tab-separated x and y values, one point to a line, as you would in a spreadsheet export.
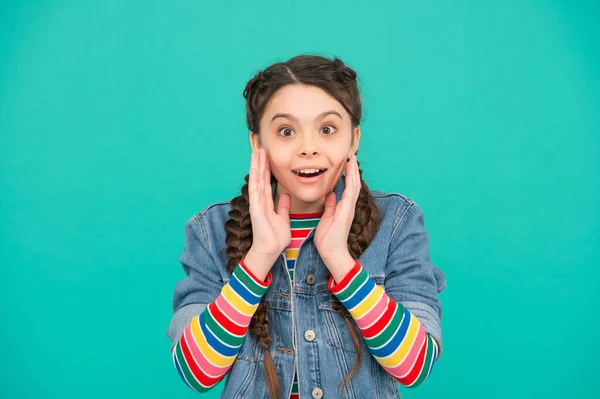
416	370
305	215
200	376
383	321
300	233
227	324
265	283
338	287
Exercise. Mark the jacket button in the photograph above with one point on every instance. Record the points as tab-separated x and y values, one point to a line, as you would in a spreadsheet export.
317	393
309	335
310	279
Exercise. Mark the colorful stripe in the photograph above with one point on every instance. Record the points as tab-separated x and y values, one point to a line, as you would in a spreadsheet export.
209	345
301	224
393	335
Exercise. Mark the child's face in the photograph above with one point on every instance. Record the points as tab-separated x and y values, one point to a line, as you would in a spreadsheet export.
305	138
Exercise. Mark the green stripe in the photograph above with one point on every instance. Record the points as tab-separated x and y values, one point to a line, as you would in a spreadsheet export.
245	279
303	224
347	292
426	365
186	371
388	331
220	332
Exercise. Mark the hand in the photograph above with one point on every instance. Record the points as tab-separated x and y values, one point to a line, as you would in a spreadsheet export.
270	230
331	235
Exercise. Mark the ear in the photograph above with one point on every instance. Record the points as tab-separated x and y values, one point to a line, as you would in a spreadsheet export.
355	141
255	141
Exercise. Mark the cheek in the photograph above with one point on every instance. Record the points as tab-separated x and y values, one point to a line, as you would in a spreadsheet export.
277	167
340	164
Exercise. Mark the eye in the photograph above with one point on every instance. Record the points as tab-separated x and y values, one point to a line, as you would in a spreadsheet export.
329	132
285	129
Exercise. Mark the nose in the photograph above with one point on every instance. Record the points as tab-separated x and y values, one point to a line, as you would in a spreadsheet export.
308	146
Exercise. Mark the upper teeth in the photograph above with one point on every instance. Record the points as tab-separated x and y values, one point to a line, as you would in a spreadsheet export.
308	170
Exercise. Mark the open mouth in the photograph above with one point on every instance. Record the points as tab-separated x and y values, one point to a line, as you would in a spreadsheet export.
310	174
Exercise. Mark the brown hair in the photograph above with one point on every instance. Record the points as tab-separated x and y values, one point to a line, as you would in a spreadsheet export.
339	81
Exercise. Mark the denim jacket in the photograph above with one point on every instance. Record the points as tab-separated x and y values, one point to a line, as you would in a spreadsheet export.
397	259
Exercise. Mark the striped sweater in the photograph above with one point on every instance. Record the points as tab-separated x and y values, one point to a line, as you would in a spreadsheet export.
301	225
209	344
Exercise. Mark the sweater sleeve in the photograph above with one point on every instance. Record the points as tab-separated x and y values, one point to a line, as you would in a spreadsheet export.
210	343
393	335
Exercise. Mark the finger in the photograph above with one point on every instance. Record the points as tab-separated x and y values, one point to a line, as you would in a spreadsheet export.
347	195
283	206
352	172
329	205
353	186
261	162
350	183
268	194
357	175
252	179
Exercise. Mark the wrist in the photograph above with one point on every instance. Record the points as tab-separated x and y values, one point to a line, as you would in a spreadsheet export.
259	264
339	265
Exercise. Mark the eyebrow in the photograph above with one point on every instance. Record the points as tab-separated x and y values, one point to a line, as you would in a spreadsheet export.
293	118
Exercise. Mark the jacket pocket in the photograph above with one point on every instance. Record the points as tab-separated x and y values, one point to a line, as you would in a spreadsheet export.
239	378
248	351
337	333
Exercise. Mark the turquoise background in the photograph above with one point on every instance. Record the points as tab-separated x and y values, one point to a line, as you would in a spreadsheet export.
120	120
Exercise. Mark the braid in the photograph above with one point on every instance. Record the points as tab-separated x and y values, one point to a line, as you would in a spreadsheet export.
239	241
362	231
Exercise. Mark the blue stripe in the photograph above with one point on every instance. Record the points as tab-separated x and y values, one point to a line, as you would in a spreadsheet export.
181	372
361	294
394	343
290	263
242	291
433	359
214	342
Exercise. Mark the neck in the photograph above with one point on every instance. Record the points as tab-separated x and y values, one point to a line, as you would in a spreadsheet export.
297	206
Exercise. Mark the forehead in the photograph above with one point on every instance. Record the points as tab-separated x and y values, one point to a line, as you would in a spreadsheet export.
304	102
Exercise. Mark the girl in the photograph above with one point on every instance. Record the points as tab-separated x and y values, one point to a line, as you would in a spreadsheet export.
308	281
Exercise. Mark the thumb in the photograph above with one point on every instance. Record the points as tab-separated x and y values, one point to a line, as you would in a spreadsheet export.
283	206
329	205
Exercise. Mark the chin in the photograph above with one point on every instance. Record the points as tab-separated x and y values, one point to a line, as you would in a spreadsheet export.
306	193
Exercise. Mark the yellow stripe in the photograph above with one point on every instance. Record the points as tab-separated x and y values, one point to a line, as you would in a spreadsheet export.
213	356
402	351
367	303
238	302
291	253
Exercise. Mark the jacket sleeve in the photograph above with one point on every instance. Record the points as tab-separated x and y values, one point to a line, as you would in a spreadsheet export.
401	323
210	318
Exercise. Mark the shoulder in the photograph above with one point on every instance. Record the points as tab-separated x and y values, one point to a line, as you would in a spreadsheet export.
393	205
392	197
211	219
209	224
216	209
